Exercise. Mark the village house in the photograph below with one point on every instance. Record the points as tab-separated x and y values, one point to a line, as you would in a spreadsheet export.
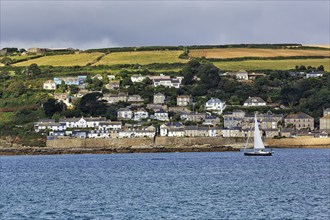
83	92
112	85
299	121
161	76
242	75
159	98
114	98
325	120
176	132
135	98
63	97
271	133
83	122
111	77
231	132
184	100
254	101
80	134
176	128
166	81
196	131
110	125
49	85
147	132
140	114
215	105
268	120
234	119
287	132
254	76
137	78
48	124
97	76
161	115
314	75
156	107
193	116
78	81
124	113
214	131
211	120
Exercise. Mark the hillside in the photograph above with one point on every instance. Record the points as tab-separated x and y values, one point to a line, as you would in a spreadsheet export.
227	58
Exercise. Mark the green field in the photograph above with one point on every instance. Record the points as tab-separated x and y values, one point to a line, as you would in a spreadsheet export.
141	57
272	64
81	59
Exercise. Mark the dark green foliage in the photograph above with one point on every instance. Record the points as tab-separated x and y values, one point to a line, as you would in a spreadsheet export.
33	70
91	104
6	61
16	88
52	106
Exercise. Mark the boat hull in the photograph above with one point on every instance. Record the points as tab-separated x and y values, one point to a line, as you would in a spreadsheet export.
258	153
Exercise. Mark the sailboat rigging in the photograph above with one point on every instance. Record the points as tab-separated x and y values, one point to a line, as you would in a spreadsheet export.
258	145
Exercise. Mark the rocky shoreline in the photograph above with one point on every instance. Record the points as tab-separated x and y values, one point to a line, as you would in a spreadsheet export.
131	149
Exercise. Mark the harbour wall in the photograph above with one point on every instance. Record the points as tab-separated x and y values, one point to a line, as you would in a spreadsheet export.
142	142
185	142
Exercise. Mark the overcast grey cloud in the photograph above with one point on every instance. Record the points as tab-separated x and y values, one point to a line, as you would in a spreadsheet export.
97	24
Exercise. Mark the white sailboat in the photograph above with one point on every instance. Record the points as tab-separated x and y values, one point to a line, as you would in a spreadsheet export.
258	145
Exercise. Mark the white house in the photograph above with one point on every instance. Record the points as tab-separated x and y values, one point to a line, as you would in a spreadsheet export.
215	105
140	114
137	78
49	85
176	132
172	82
254	101
161	115
110	125
125	113
173	129
314	75
91	122
242	75
111	77
97	76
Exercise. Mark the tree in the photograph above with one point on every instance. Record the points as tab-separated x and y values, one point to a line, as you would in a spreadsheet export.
34	70
320	68
6	61
16	88
52	106
90	104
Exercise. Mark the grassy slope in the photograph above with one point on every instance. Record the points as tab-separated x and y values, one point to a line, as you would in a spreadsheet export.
255	52
141	57
81	59
147	57
272	64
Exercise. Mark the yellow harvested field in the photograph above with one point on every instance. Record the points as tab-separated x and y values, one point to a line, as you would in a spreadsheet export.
81	59
254	52
272	64
142	57
318	45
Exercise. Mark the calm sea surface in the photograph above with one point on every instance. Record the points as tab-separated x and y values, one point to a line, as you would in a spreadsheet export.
292	184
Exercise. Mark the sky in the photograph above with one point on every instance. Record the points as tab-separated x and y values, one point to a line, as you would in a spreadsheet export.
113	23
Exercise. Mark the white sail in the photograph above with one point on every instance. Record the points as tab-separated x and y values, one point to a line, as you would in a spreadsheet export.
258	144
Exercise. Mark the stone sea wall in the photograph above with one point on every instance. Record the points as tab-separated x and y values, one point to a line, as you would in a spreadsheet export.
184	142
142	142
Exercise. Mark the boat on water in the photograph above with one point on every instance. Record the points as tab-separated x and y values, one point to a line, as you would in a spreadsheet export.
258	145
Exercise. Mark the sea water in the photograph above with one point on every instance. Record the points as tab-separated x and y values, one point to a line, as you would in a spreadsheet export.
292	184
